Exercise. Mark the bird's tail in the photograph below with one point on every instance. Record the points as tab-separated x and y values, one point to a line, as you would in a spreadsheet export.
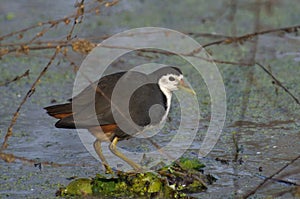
60	111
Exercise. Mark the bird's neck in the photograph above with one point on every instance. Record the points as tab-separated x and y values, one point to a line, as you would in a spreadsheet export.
168	95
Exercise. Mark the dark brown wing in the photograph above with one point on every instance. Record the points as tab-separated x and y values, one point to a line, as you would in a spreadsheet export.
60	111
82	107
147	112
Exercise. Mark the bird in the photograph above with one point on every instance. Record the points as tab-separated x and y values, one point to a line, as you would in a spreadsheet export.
119	106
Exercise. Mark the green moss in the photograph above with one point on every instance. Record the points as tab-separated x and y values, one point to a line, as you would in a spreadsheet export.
173	181
106	186
144	183
188	164
81	186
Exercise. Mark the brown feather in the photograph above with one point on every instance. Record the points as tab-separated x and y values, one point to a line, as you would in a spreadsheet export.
104	132
61	115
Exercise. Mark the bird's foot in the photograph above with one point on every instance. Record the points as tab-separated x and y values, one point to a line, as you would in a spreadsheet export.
108	169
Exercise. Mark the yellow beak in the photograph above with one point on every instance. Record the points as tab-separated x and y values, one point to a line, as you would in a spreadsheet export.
182	85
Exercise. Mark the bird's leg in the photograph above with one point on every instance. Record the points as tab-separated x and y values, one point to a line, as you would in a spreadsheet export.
113	149
98	149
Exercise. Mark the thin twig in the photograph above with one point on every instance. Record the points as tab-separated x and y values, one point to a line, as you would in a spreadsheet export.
29	93
270	177
69	44
251	35
29	48
280	180
8	157
39	42
79	13
18	77
51	22
212	35
279	83
65	20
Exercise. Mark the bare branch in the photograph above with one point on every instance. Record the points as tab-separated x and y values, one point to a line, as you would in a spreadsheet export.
270	177
252	35
29	93
8	157
18	77
277	82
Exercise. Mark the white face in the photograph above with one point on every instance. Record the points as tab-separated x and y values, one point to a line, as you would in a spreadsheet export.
170	82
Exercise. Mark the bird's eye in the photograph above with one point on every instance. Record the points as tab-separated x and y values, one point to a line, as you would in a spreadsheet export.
171	78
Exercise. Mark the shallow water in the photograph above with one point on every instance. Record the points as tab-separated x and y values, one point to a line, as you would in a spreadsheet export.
265	118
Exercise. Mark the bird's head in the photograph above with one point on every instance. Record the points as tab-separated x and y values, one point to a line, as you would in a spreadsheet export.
171	79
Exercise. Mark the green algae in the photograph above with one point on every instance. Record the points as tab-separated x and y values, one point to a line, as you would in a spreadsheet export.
173	181
190	164
81	186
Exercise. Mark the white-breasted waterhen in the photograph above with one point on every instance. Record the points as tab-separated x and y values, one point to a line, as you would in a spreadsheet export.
115	95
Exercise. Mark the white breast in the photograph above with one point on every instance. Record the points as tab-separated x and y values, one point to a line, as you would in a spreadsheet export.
151	130
168	95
